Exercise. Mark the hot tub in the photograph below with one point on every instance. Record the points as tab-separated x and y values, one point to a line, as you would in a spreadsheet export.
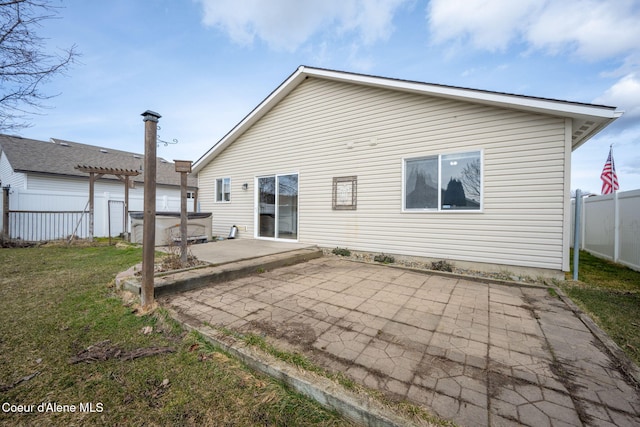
168	227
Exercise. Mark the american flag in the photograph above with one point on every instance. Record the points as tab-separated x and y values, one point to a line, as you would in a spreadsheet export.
608	175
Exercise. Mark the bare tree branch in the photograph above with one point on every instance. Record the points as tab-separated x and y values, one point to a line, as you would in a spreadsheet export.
25	63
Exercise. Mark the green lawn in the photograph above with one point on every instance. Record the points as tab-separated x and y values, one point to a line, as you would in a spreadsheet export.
610	294
55	302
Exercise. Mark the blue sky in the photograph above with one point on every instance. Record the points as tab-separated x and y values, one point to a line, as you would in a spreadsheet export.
204	64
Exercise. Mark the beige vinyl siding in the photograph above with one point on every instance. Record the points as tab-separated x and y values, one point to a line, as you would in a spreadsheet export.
308	132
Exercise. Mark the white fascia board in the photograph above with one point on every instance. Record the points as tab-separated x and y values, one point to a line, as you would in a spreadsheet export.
523	102
597	113
250	119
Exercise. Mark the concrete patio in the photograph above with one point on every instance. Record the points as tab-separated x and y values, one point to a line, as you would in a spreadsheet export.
471	352
233	250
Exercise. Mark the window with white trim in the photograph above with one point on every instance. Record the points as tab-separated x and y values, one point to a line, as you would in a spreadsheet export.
445	182
223	190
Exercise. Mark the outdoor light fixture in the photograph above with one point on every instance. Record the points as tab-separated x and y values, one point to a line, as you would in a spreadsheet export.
245	186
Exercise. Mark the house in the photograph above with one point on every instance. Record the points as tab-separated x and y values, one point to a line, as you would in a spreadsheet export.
376	164
43	176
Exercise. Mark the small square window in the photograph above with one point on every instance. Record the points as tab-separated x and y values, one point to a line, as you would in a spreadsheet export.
223	190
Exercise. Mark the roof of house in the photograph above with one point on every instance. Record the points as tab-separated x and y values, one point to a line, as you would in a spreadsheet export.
587	119
60	157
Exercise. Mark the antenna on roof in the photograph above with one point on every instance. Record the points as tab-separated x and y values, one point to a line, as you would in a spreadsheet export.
173	141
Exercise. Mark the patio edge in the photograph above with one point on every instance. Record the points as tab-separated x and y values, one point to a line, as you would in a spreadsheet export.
358	408
186	280
625	364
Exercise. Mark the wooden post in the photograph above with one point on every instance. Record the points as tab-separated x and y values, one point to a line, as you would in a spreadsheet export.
127	238
183	218
184	167
93	177
91	190
149	218
5	212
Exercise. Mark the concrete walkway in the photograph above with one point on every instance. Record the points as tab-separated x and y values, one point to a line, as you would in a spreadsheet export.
478	354
233	250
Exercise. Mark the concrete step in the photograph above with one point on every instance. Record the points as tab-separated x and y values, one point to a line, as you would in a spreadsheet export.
186	280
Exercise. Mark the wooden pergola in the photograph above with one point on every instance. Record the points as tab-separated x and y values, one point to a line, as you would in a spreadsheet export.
97	172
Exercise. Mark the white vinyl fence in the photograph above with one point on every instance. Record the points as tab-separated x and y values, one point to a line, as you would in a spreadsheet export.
44	215
1	213
610	227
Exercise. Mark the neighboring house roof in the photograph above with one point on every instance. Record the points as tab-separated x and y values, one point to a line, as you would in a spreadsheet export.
60	157
587	119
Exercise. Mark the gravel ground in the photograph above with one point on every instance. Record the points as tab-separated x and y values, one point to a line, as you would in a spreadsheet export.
428	265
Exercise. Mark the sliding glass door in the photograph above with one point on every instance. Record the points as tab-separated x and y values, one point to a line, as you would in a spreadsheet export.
277	211
266	206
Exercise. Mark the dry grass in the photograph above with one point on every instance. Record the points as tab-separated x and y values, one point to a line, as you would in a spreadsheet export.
55	304
610	294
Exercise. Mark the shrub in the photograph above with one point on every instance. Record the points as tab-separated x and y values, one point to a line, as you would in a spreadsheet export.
341	252
385	259
442	266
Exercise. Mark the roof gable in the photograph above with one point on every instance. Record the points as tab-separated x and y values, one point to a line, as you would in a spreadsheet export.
587	119
60	157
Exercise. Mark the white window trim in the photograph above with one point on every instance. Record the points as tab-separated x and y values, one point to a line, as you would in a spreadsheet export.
439	207
215	190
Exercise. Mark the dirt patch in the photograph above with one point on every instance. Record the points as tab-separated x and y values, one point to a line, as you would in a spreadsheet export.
407	343
497	381
320	316
564	376
12	243
430	365
172	262
295	333
531	310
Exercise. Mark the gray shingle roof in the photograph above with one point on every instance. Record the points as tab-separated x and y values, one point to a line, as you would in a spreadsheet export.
60	157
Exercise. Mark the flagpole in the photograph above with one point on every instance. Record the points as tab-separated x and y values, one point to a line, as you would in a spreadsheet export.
612	165
608	176
616	216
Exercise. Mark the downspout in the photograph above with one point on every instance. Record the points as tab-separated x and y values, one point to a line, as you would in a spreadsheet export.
566	221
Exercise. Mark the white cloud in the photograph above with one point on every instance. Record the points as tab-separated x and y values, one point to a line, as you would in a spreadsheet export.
595	29
287	24
624	94
371	18
487	24
591	29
